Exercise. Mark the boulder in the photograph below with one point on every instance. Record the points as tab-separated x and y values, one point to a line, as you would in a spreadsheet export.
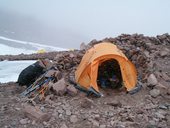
60	87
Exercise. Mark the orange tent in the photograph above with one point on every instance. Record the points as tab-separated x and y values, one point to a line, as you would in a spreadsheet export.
87	72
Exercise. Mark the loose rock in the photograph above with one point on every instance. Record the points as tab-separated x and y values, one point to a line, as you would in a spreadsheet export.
154	93
60	87
63	126
87	103
68	112
168	92
115	103
164	52
73	119
35	113
152	80
159	115
50	73
71	90
95	123
24	121
102	126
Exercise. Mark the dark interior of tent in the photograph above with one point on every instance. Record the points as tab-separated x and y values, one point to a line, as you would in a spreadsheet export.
109	74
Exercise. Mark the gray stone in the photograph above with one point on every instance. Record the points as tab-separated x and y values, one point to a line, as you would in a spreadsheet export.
64	126
68	112
168	119
48	99
168	92
146	54
120	125
73	119
102	126
60	116
35	113
45	123
61	111
154	93
112	122
50	73
163	107
60	87
24	121
159	115
71	55
115	103
152	122
83	46
55	113
150	126
97	116
71	90
111	113
152	80
95	123
3	108
18	109
58	75
33	122
164	52
87	103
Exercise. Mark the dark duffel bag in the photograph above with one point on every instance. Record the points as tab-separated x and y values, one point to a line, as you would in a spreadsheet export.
30	74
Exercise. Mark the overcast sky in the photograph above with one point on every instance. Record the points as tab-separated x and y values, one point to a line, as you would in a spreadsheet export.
97	19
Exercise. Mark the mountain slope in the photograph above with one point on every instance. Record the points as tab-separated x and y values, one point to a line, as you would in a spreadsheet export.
14	47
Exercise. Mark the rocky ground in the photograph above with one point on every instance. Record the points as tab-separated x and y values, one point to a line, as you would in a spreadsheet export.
149	108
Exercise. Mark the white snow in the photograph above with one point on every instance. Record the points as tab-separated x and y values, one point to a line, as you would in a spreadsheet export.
7	50
10	70
38	46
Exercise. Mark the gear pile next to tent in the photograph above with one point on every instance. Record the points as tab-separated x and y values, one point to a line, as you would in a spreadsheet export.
120	70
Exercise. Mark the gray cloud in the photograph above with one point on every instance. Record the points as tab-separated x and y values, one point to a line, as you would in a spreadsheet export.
72	22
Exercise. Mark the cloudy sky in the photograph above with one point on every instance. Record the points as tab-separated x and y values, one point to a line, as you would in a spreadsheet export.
96	19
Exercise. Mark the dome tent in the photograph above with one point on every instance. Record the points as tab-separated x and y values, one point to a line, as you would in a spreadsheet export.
87	71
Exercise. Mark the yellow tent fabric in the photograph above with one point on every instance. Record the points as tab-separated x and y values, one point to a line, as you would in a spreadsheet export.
87	72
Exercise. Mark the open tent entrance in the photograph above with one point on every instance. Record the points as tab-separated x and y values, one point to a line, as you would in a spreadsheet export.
109	74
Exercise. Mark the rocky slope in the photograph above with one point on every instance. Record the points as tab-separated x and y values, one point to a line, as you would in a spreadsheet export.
148	108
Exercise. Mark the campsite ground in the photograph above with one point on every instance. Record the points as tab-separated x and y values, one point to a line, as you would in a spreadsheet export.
115	109
149	108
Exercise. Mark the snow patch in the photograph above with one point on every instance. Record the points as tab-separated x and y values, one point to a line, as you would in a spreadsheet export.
7	50
36	45
10	70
